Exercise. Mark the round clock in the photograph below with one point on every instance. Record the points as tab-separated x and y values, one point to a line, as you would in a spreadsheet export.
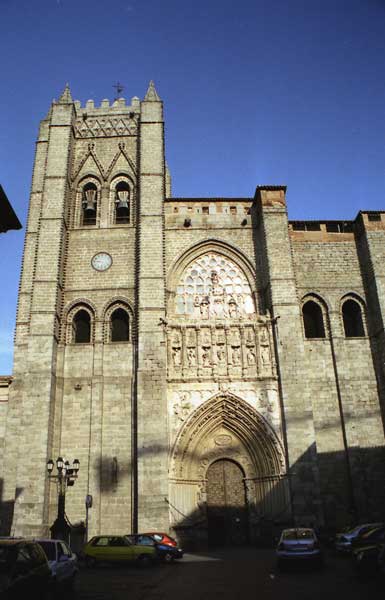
101	261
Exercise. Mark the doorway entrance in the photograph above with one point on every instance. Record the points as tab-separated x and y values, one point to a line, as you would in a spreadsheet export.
226	504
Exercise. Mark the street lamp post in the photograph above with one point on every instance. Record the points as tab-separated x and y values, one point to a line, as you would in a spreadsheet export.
65	476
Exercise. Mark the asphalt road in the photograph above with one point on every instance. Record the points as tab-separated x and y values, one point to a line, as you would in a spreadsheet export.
246	573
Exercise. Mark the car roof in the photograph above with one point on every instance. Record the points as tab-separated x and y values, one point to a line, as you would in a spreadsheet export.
12	541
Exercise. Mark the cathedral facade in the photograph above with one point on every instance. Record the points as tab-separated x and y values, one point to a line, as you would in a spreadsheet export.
212	365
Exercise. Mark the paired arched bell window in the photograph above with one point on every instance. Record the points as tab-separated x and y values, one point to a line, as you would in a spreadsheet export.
81	327
352	318
122	203
89	204
313	319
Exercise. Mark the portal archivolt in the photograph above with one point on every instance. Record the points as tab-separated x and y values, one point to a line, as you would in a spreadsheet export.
226	427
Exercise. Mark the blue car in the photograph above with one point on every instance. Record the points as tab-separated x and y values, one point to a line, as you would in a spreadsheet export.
165	552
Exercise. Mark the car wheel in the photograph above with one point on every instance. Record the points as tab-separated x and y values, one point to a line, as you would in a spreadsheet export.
90	562
168	557
144	560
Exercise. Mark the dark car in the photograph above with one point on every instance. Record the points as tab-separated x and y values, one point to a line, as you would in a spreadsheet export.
374	536
344	540
368	559
24	570
165	552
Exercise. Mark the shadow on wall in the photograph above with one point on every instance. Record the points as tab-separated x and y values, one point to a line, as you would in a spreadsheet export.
7	510
322	492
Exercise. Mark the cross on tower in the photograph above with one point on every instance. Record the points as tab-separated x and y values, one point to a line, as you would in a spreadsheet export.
119	89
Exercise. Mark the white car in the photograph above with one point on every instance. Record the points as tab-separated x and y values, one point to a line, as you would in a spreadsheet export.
298	543
62	561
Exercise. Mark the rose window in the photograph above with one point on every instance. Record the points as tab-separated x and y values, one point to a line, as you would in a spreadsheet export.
213	286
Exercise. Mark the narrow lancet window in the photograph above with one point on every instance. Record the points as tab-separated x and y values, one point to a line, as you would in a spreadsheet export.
89	204
81	327
313	320
352	317
122	203
119	326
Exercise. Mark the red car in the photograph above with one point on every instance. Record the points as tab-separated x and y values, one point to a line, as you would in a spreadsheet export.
162	538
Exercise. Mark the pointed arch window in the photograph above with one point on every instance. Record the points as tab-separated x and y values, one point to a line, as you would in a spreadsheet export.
89	204
313	320
81	327
122	203
119	326
352	318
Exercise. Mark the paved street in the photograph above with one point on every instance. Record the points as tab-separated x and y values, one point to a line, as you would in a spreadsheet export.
226	575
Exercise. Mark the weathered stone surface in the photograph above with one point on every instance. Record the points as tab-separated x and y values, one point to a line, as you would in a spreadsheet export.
216	365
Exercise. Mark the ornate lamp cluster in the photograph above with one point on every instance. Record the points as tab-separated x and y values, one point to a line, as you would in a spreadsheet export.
66	475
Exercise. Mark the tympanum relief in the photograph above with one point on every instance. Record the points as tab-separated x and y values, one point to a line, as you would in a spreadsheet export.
214	328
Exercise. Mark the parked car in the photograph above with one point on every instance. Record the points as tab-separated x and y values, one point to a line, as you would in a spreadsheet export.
24	570
162	538
343	540
62	562
368	559
166	552
373	536
297	544
117	548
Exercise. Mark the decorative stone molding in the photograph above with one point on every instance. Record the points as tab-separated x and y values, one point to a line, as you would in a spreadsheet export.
226	415
107	126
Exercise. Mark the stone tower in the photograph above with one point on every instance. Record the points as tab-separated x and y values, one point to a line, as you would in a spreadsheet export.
94	250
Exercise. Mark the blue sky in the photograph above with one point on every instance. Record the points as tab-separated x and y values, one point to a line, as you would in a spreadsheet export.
255	92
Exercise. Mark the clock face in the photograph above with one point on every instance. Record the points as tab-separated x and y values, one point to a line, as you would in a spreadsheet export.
101	261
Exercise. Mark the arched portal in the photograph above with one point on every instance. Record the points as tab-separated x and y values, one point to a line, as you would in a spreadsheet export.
225	428
227	519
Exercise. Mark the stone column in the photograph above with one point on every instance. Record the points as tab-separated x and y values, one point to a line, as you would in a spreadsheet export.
151	408
281	299
34	394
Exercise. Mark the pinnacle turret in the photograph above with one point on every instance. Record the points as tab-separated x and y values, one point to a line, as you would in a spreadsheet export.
152	94
66	97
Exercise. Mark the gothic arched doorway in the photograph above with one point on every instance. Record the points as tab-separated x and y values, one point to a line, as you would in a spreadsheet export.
226	504
225	440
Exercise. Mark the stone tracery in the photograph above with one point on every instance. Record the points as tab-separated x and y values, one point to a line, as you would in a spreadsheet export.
213	286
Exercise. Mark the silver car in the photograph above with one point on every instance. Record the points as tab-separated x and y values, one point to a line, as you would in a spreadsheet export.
343	541
62	562
298	544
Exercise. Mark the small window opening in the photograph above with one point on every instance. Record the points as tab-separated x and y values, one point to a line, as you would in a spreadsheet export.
233	210
352	317
119	326
81	327
205	210
298	226
175	209
374	216
313	320
89	203
122	203
312	226
333	227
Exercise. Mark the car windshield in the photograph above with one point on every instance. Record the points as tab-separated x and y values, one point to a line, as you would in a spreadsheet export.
298	534
49	550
